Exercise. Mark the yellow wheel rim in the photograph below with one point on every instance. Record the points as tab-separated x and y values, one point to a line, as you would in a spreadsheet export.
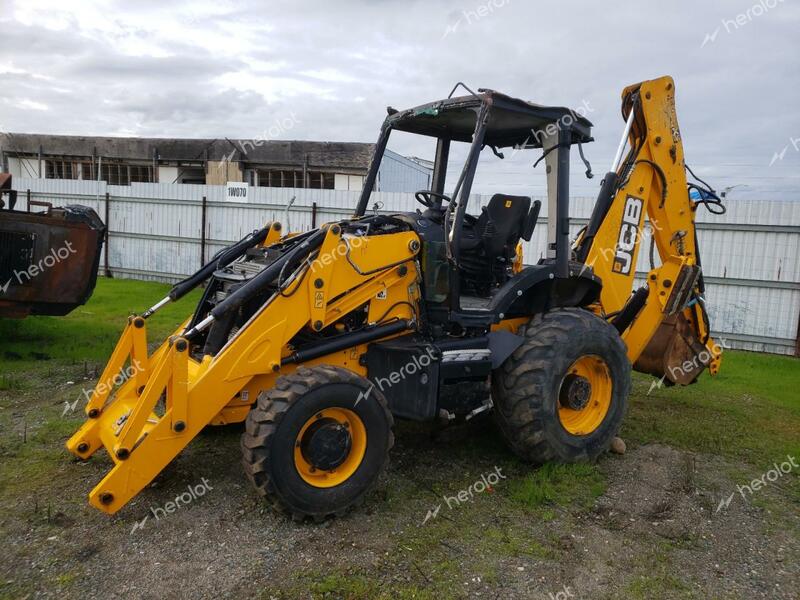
343	421
585	395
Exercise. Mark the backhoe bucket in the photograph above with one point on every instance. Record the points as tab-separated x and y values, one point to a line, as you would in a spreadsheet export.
675	355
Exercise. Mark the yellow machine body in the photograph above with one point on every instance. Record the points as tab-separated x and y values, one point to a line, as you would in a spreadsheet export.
171	396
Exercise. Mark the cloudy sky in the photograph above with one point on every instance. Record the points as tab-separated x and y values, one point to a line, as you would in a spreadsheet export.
326	71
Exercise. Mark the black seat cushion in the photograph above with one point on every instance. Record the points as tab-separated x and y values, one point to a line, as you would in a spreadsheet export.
500	224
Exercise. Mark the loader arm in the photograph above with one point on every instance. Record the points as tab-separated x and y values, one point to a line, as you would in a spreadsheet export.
175	393
644	199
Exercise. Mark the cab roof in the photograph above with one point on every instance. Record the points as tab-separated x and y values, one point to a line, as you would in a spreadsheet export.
512	122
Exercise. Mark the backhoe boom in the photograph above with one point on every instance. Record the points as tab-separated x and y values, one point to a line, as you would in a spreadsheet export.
645	199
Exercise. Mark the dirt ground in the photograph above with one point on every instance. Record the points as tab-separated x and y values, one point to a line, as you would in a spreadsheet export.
648	524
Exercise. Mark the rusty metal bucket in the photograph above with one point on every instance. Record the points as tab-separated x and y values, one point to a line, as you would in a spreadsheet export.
674	354
49	259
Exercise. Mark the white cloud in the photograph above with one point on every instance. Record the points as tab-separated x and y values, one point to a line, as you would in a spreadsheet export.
224	68
27	104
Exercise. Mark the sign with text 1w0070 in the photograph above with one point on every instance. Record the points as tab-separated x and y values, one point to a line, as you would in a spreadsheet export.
236	191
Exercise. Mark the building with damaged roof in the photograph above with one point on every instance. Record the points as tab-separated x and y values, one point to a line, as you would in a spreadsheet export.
217	161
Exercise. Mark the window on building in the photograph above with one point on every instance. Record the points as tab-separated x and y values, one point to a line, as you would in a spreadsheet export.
141	173
294	179
321	181
57	168
191	174
115	173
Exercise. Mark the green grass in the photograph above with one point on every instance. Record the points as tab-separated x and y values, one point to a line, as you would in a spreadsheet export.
35	358
347	586
653	577
663	585
10	382
90	332
750	411
505	541
27	449
557	485
339	585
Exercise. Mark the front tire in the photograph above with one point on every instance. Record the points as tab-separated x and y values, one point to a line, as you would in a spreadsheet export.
562	395
317	442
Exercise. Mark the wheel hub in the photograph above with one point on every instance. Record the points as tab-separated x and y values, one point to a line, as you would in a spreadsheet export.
575	392
326	444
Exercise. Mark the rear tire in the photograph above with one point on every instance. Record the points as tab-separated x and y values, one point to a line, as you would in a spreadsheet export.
317	442
562	395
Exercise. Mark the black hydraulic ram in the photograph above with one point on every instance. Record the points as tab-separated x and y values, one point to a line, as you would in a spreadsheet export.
631	310
220	260
286	263
608	190
605	198
345	341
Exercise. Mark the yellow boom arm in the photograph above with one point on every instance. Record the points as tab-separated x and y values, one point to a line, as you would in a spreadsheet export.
665	327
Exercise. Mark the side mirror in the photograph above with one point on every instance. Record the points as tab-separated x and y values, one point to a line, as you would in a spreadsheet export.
530	220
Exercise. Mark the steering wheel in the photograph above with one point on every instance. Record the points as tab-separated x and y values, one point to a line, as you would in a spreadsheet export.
426	198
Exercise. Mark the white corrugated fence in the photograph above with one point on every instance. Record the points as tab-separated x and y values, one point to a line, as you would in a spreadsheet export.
751	255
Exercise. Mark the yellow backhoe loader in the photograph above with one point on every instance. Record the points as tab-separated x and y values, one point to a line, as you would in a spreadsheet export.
318	340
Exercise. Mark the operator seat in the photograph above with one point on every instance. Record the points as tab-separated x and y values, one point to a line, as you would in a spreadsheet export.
488	244
501	225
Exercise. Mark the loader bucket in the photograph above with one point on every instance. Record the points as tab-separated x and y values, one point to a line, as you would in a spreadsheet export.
48	259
